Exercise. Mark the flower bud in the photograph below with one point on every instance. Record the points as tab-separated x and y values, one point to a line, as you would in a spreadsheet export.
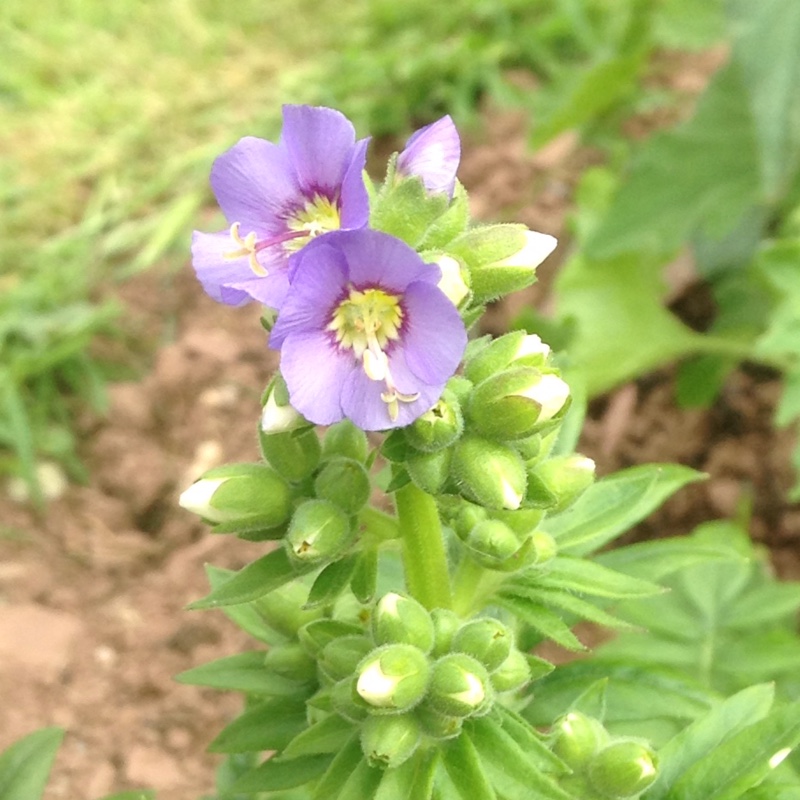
290	661
388	742
247	493
513	673
277	415
517	349
460	686
393	677
557	482
346	701
492	542
460	388
295	455
340	657
315	635
437	726
516	403
623	769
543	548
453	283
319	531
430	471
502	258
398	619
345	439
486	639
344	482
489	473
445	625
439	427
576	739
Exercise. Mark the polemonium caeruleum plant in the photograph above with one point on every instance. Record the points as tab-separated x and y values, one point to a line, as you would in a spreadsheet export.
441	528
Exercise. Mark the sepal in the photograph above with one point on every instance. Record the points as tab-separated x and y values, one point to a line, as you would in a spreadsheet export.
389	741
319	531
489	473
623	770
460	686
393	677
399	619
344	482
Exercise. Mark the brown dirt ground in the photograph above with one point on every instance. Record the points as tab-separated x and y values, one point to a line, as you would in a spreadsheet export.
92	593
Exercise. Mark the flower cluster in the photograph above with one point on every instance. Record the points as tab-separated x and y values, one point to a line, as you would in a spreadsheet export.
371	306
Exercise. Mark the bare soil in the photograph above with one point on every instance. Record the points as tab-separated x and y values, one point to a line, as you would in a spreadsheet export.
93	625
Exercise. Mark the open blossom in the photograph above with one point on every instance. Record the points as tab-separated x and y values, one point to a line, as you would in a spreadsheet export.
365	333
278	197
433	153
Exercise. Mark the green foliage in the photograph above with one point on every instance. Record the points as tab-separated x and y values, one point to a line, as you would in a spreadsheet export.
25	766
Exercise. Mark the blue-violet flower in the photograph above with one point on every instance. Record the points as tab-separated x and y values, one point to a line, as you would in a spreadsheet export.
277	198
432	154
365	333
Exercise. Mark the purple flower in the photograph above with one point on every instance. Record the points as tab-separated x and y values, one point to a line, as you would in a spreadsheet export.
365	333
277	198
433	153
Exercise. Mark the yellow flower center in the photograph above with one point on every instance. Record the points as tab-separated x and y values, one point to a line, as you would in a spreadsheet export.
366	322
318	215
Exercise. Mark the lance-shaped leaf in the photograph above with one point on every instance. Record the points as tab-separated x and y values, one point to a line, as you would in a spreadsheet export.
25	766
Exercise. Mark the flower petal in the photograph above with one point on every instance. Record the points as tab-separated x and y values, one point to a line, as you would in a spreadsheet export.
315	372
433	333
354	202
254	184
433	153
319	143
215	272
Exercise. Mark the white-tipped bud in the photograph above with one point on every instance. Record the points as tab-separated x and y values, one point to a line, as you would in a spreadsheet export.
452	281
277	415
531	345
536	248
550	392
197	499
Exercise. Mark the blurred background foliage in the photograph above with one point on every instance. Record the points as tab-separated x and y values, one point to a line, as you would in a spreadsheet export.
113	112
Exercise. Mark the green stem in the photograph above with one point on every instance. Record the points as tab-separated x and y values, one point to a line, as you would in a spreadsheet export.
424	557
472	585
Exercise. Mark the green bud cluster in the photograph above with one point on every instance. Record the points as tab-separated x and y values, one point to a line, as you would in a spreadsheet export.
409	675
611	768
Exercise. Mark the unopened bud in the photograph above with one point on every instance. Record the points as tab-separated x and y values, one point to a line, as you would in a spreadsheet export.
516	403
453	283
388	742
445	625
576	739
513	673
315	635
439	427
489	473
557	482
345	482
399	619
486	639
430	471
460	686
517	349
295	455
623	769
345	439
492	542
436	725
394	677
502	258
290	661
340	657
319	531
251	493
277	415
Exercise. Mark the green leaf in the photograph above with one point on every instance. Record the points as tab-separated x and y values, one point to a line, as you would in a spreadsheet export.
253	581
707	733
346	760
530	740
331	582
365	576
463	765
361	783
25	766
701	176
412	780
768	603
614	504
587	577
508	764
541	619
244	672
269	725
743	760
772	84
326	736
274	775
581	609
